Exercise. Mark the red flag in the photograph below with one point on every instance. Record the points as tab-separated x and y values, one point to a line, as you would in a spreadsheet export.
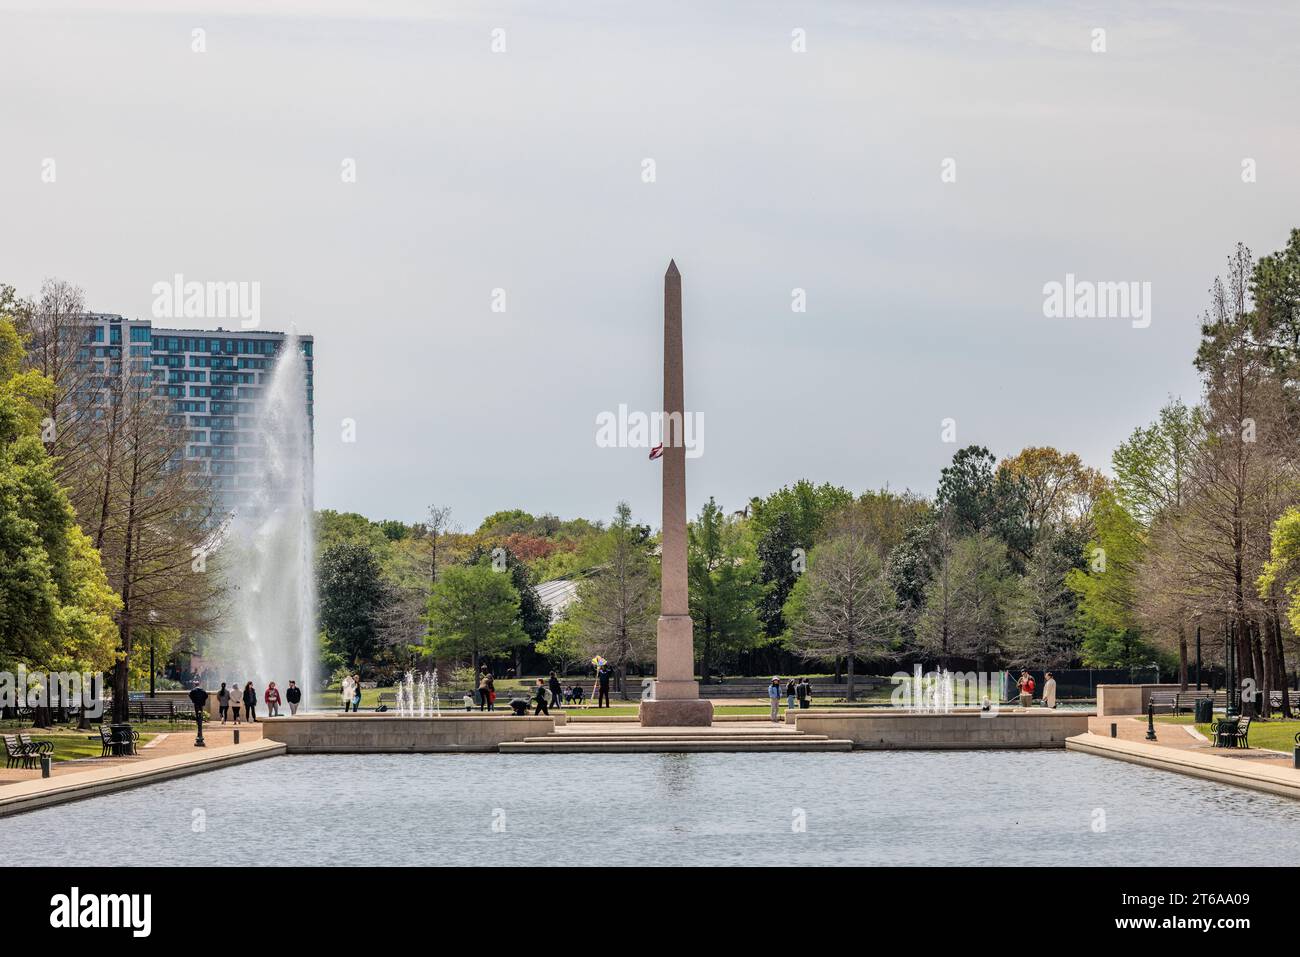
657	451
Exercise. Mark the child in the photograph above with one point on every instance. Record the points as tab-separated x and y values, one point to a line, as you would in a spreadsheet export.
469	701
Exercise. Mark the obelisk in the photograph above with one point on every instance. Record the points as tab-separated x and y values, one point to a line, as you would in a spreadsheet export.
676	699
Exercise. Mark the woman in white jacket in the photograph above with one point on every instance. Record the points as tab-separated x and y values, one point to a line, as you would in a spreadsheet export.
348	688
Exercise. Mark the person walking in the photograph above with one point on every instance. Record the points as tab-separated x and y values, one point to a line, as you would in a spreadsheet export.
236	701
293	695
774	696
791	690
540	695
223	702
1049	691
803	691
602	683
557	691
272	700
250	701
347	693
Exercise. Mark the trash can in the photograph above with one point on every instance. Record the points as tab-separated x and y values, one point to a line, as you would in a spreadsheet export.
1204	710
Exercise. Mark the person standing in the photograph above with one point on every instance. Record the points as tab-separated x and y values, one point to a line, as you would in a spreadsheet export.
803	691
791	690
223	702
1025	686
485	691
356	693
293	694
557	691
236	700
347	693
602	684
250	701
540	695
774	696
272	700
1049	691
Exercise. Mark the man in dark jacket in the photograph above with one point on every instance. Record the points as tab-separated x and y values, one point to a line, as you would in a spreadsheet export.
557	691
293	695
540	696
602	678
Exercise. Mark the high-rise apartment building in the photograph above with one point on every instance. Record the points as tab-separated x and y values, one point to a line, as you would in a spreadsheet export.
212	380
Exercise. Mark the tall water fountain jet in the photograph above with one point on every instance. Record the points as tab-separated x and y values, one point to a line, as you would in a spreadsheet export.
269	630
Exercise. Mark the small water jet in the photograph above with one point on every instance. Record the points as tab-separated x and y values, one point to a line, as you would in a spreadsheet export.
417	695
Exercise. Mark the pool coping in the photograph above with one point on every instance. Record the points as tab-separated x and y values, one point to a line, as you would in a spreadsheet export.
1273	779
45	792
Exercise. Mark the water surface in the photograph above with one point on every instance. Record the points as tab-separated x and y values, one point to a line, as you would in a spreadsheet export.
1044	808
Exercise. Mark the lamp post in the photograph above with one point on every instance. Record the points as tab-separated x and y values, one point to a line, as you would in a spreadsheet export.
1230	709
1198	651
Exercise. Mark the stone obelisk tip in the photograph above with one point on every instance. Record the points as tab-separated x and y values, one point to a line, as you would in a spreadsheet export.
672	269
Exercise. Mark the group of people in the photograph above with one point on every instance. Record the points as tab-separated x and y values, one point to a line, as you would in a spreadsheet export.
231	700
548	692
797	692
1026	686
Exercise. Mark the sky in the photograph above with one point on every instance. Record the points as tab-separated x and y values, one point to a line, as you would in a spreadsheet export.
919	170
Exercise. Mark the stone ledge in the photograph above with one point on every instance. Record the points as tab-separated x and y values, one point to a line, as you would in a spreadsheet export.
43	792
1271	778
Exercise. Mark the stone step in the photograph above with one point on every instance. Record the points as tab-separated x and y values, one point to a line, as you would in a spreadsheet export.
679	737
560	744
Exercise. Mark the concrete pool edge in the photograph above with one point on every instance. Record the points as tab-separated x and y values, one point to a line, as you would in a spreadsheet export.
1272	779
45	792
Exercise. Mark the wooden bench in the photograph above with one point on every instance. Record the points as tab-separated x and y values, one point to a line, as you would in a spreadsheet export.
1231	732
1186	700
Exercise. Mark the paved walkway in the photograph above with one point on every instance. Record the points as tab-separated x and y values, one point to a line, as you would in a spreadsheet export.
163	744
1179	736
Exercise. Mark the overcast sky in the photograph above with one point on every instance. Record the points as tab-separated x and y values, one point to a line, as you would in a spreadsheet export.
774	170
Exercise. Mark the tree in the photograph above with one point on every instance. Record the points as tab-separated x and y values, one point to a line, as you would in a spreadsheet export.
780	557
724	588
1041	611
56	606
1059	490
964	613
617	606
474	612
353	600
562	645
980	498
846	607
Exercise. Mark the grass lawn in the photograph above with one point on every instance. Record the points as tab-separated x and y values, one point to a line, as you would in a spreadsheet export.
1273	735
69	746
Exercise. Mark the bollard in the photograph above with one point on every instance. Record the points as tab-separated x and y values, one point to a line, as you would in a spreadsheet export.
236	736
1151	722
45	764
1114	730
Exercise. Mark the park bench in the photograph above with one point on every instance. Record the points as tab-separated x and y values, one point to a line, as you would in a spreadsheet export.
106	739
35	747
1231	732
16	753
1186	700
147	708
